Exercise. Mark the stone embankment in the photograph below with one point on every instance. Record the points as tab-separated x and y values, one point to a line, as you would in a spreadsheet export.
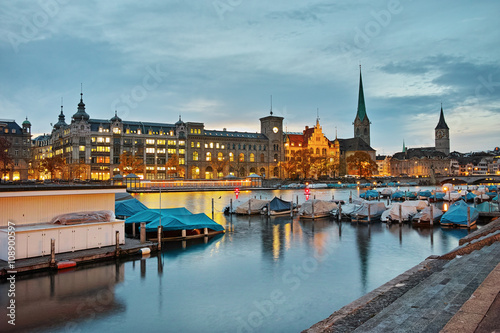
456	292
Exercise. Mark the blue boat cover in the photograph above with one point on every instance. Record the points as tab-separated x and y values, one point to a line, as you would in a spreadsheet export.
128	207
426	193
398	195
457	213
438	196
151	214
184	222
487	207
279	205
470	196
370	194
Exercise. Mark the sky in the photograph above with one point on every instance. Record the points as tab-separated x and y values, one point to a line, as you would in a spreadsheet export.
219	61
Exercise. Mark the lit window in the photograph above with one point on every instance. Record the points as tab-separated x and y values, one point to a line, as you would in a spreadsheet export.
195	156
252	158
82	148
231	157
220	157
242	158
209	156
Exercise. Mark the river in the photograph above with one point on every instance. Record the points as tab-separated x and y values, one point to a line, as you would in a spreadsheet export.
262	275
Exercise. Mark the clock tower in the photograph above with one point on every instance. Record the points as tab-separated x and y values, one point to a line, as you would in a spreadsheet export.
442	135
272	127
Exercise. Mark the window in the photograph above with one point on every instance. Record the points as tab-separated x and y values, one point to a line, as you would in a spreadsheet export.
241	157
160	142
192	144
252	157
182	151
150	150
195	156
82	148
172	151
262	158
182	161
150	141
217	145
211	144
209	156
198	145
220	157
231	157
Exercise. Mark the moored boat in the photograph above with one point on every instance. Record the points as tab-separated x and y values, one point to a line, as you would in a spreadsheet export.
368	212
424	217
460	214
313	209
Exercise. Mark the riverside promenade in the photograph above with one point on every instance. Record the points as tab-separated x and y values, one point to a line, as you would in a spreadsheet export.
456	292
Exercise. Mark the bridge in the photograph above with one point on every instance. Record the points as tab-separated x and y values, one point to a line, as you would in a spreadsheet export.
471	180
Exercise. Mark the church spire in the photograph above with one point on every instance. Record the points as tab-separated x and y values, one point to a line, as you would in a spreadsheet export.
361	114
404	146
442	123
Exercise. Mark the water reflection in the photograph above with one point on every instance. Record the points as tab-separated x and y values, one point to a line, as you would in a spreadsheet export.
65	299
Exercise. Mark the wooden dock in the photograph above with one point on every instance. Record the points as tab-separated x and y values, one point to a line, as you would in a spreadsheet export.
131	247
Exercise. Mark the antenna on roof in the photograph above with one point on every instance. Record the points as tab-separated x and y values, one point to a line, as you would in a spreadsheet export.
61	104
271	105
335	132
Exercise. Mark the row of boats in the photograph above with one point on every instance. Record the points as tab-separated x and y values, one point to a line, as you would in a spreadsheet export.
418	212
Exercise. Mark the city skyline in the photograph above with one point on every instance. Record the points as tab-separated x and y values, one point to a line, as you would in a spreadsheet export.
219	62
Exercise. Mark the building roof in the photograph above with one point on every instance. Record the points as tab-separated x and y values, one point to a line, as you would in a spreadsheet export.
425	152
442	123
246	135
11	125
296	139
354	144
81	114
132	125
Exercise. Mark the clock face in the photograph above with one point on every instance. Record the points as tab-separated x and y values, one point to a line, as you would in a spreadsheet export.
439	134
275	129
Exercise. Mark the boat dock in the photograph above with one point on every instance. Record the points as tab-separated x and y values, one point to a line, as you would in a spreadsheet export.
456	292
130	248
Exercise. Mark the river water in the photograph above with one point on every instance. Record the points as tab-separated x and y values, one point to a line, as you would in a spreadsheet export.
262	275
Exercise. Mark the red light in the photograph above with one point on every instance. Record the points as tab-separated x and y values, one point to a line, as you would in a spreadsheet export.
237	192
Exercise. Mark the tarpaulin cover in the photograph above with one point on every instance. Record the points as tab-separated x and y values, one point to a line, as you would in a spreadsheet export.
129	207
151	214
84	217
426	193
183	222
376	209
279	205
418	204
320	207
393	212
370	194
387	191
469	196
425	214
487	207
437	196
457	214
256	206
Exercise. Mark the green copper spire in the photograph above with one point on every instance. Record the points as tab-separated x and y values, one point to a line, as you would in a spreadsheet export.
361	100
404	146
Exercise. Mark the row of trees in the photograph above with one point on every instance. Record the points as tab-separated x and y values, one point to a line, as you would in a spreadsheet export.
303	164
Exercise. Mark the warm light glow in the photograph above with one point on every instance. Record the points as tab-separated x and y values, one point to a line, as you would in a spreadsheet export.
276	242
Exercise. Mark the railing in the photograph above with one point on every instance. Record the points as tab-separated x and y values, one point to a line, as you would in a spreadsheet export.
157	185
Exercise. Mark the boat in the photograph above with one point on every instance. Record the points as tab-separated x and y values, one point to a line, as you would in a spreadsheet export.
133	222
183	227
437	196
468	196
370	195
422	195
398	196
277	207
313	209
251	206
126	208
452	196
423	217
398	212
368	212
386	192
457	215
488	209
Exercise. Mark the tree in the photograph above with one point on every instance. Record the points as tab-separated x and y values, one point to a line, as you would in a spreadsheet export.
304	161
77	170
218	164
362	163
5	159
172	165
52	165
130	164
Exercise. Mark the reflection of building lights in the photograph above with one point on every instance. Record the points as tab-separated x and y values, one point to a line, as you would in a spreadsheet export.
276	242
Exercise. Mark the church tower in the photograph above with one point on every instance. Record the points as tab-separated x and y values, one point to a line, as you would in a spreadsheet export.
442	135
361	122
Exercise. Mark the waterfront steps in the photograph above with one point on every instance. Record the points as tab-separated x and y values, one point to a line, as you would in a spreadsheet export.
432	303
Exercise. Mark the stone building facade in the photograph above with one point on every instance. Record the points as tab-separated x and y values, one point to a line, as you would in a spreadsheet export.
19	151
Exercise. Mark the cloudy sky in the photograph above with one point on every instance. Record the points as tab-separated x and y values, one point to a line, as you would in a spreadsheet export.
218	62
